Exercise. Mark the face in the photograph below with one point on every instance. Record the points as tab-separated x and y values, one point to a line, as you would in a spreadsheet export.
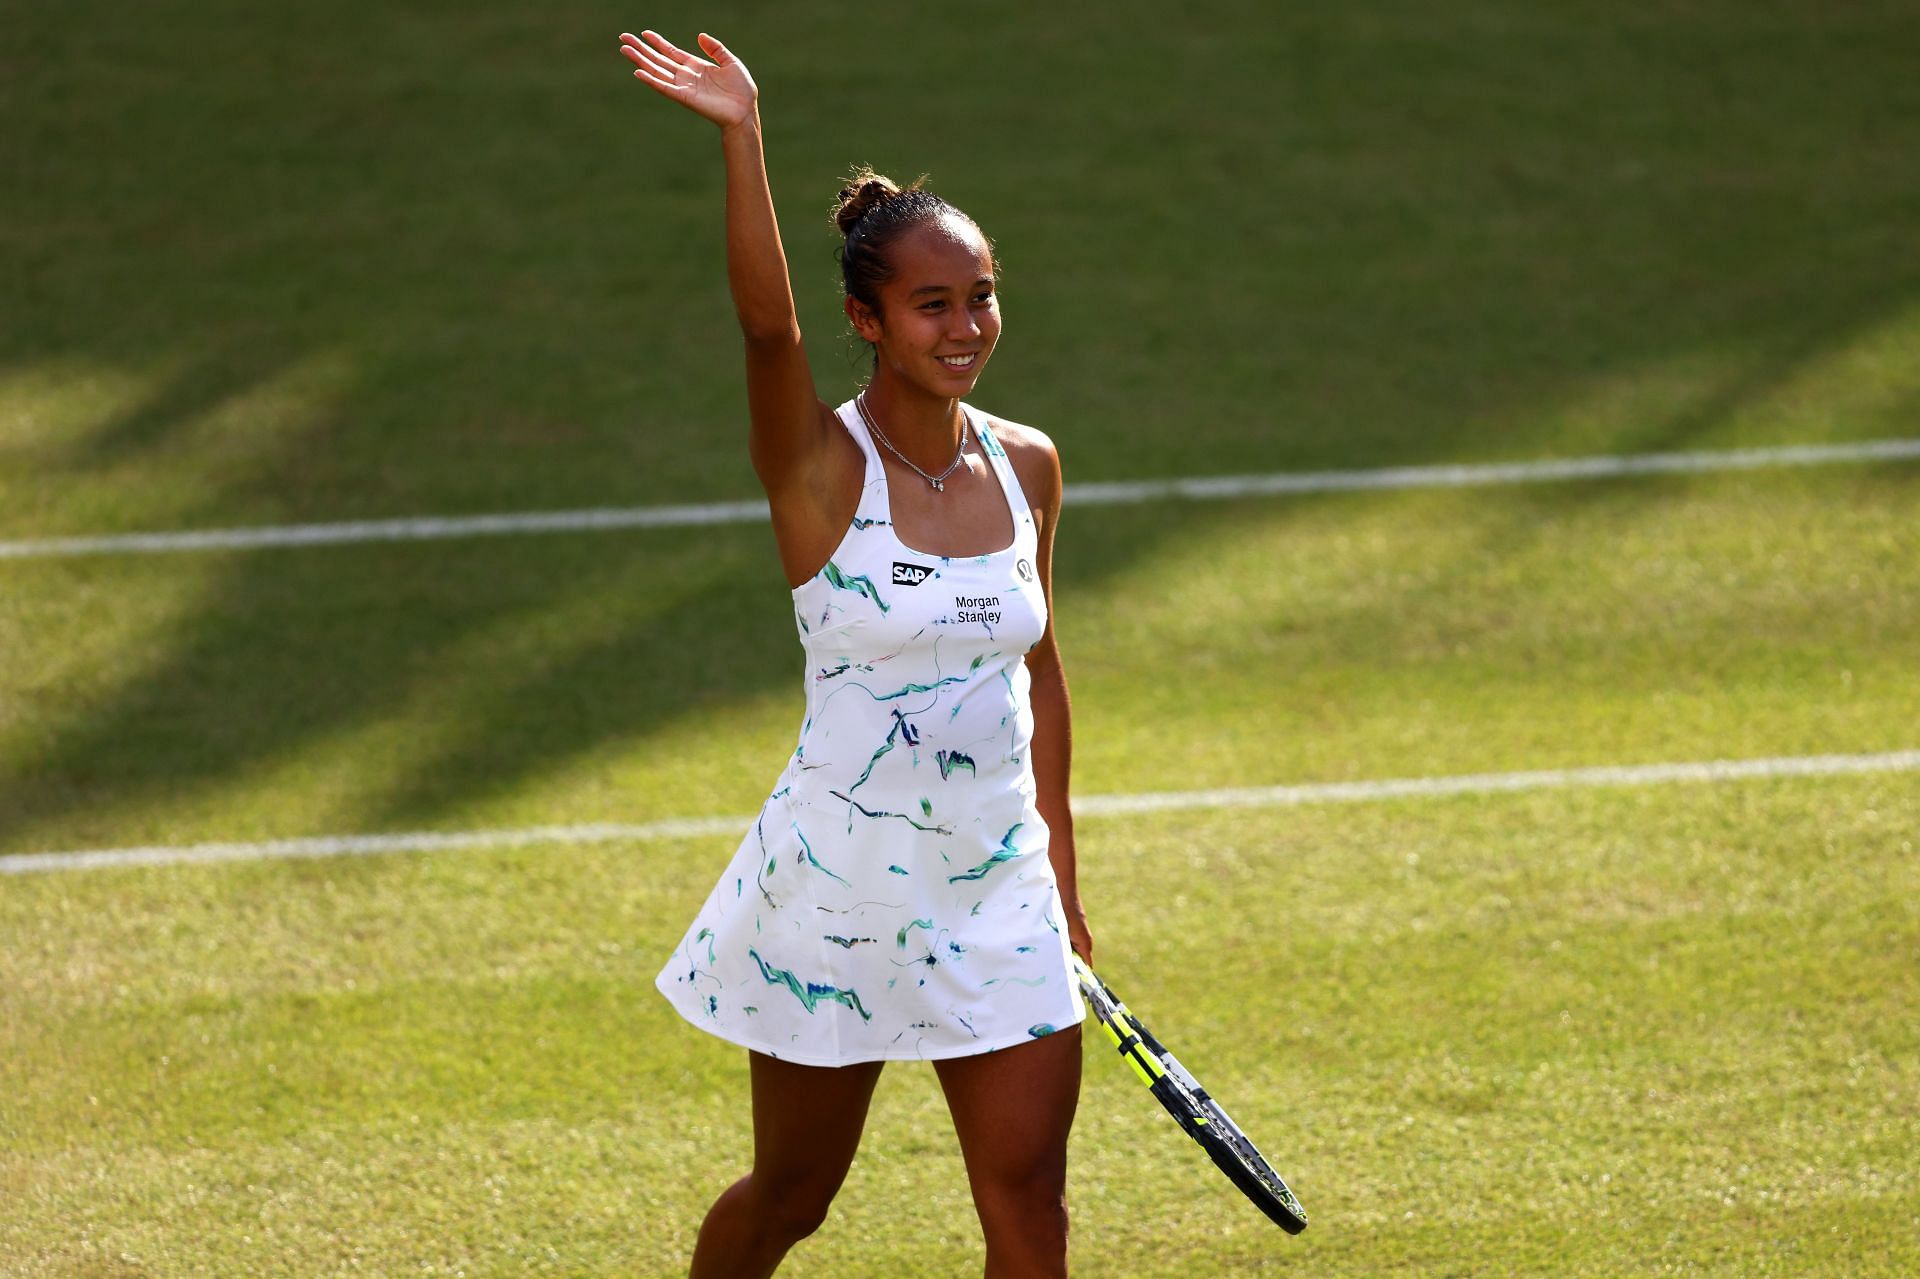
939	316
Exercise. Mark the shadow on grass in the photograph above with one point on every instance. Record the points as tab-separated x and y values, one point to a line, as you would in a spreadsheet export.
224	368
1282	264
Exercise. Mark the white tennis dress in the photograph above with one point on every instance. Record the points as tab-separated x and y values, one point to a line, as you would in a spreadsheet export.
893	899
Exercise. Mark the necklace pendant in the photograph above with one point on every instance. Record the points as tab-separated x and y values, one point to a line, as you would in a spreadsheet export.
939	486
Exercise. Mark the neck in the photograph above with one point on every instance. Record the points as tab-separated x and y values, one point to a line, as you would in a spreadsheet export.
924	427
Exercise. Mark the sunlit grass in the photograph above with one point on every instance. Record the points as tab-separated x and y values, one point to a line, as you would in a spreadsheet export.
622	677
274	267
1362	236
1579	1033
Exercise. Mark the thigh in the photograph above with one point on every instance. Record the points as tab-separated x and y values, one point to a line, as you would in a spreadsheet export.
807	1120
1013	1110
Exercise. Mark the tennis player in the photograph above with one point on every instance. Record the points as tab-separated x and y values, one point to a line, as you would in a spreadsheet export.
908	890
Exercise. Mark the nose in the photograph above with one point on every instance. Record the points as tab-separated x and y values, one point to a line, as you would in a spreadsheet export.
962	324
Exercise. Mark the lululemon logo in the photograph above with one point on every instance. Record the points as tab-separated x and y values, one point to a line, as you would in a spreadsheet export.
911	574
1026	571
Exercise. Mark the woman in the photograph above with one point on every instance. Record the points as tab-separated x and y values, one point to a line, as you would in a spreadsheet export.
908	890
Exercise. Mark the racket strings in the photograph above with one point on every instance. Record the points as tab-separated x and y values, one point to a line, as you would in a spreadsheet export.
1198	1114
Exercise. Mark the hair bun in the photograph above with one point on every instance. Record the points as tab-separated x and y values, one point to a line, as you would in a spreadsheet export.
865	191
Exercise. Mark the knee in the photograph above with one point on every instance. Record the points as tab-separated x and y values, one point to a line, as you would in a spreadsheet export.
1037	1180
1032	1207
1025	1235
790	1213
795	1221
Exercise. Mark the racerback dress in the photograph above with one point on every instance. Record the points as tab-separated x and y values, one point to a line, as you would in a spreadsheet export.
893	899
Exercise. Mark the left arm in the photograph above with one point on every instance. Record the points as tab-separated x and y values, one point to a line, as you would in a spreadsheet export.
1038	466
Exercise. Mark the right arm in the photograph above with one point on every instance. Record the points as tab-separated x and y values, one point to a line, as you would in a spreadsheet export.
793	433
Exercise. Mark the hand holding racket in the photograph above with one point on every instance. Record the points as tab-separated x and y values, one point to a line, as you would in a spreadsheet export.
1198	1114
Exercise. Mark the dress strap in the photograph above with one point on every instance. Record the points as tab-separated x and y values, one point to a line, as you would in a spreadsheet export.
873	485
1002	467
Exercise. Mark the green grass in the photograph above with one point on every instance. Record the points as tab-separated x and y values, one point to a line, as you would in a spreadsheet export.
1583	1034
630	677
379	261
385	260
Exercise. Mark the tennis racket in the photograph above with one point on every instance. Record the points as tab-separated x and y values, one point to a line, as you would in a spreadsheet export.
1198	1114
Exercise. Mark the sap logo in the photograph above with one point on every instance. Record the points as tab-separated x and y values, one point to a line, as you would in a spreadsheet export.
910	574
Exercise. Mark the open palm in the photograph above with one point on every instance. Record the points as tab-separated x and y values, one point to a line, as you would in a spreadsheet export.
720	90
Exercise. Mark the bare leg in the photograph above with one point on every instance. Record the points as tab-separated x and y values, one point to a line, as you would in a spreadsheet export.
806	1126
1013	1109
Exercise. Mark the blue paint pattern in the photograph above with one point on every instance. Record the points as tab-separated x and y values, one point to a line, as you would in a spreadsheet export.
1005	853
810	994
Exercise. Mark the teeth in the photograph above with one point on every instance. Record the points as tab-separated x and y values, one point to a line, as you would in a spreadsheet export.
956	361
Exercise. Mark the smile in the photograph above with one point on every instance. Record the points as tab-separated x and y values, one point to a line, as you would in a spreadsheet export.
959	361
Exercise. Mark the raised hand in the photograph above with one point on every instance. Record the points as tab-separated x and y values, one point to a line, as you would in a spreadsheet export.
720	90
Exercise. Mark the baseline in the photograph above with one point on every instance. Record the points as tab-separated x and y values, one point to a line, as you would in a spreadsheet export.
1199	488
1698	772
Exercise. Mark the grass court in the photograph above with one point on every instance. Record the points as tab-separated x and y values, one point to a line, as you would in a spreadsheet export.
373	261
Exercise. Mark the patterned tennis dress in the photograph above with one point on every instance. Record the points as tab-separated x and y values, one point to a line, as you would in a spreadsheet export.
893	899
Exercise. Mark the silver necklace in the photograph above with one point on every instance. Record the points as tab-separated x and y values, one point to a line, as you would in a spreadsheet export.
938	481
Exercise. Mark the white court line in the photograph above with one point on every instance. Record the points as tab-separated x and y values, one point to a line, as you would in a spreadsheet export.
1094	806
1202	488
415	528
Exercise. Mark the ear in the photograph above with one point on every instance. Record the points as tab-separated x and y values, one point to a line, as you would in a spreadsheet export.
865	322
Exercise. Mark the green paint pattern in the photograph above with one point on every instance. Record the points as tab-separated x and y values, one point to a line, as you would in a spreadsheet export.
1005	853
810	994
859	584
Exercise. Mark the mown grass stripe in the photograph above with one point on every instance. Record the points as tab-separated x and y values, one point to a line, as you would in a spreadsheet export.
1708	771
1199	488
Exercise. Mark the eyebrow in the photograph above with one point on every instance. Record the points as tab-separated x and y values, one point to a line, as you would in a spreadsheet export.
941	288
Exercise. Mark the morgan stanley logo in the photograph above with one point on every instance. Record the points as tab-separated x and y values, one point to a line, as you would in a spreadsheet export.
910	574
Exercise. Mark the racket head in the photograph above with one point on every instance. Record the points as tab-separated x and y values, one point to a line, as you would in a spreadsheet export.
1197	1113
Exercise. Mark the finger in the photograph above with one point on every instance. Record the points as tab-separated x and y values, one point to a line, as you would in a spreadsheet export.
655	81
673	51
655	63
628	40
640	58
717	51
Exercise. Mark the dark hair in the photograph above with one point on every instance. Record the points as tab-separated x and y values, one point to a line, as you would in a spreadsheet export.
871	214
